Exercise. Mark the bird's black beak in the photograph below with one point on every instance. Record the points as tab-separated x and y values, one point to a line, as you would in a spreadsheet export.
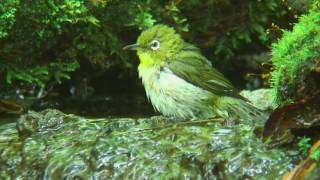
133	47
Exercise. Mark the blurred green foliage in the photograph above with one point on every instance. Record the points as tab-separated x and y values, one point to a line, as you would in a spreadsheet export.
304	145
316	154
38	36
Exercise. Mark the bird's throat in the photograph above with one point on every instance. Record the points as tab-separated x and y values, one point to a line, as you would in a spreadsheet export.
146	60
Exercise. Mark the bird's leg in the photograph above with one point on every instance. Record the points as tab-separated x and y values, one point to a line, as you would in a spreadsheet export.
230	121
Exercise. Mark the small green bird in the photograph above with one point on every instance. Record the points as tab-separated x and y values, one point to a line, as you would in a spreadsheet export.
180	82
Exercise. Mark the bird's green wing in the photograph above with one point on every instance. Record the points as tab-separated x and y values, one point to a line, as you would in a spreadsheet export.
194	68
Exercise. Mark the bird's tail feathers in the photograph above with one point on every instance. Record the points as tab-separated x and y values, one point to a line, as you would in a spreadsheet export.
238	108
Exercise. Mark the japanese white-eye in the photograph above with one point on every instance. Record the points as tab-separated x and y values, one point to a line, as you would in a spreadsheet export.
180	82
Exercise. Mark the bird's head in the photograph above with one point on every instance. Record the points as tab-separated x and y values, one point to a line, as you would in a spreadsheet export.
156	44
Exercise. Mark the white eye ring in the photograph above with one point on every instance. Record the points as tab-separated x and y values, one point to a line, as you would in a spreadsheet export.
155	45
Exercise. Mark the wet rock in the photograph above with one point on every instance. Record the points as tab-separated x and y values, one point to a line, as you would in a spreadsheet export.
60	146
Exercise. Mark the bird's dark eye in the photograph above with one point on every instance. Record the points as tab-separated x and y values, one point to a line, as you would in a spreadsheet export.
155	45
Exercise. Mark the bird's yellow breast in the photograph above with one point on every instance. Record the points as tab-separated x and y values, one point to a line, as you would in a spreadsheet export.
145	60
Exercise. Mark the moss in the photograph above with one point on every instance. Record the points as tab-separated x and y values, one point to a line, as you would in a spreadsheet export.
295	58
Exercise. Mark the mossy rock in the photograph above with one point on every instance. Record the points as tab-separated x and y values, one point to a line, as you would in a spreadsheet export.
296	59
53	145
260	98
